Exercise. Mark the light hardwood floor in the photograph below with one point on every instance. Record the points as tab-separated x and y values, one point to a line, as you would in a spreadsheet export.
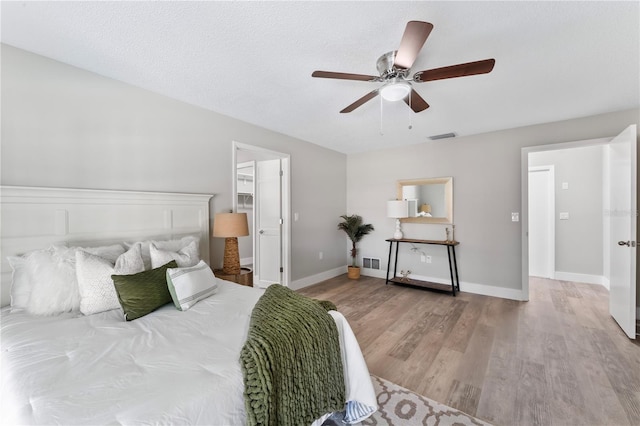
559	359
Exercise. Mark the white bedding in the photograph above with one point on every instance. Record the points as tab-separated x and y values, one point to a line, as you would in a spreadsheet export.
169	367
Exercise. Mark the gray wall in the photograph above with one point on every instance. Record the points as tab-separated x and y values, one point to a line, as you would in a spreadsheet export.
486	184
66	127
579	245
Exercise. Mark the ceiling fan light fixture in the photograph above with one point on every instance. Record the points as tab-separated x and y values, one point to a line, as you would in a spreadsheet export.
395	91
395	66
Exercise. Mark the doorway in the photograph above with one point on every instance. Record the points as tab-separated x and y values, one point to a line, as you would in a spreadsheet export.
613	200
261	188
563	195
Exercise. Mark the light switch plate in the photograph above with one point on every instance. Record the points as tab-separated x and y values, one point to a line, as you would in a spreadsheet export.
515	217
564	215
565	185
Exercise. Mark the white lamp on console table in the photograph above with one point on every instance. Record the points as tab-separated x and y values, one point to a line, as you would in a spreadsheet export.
398	209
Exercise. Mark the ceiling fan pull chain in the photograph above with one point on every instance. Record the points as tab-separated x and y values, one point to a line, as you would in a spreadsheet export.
381	105
410	115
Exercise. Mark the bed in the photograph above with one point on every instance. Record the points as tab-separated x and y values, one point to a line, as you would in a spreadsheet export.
169	366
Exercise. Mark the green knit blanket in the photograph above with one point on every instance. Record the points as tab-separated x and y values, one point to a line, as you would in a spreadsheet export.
291	360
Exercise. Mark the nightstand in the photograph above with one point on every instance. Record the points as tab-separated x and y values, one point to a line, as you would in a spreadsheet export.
245	277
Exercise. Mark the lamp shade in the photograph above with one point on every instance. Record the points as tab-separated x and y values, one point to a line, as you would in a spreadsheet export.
398	209
226	225
410	192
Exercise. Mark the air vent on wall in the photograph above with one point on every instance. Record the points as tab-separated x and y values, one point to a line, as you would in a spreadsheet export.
442	136
371	262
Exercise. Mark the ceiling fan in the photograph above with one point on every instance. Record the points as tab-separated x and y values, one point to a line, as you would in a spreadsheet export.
394	68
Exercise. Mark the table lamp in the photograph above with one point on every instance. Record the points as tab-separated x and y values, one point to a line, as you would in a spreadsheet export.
425	210
398	209
230	226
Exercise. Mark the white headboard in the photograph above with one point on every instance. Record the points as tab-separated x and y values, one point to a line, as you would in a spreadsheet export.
34	218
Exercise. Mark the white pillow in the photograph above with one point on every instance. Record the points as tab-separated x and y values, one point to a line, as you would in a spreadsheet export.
111	253
22	278
55	288
168	245
21	285
187	256
189	285
44	281
97	292
176	245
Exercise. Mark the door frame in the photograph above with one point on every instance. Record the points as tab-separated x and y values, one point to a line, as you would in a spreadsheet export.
524	199
551	248
286	200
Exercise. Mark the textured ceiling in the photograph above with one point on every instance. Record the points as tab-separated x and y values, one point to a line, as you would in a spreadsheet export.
253	60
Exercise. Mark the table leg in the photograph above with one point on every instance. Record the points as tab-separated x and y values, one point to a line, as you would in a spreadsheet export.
395	263
455	267
453	285
389	262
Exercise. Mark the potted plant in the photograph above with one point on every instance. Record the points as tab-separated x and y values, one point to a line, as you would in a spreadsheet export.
354	228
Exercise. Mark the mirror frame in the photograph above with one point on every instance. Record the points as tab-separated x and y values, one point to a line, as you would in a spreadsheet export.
448	199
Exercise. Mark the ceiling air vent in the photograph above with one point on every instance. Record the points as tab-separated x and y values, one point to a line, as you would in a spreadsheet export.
442	136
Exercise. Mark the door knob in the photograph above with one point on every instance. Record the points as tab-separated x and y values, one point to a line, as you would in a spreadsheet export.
624	243
262	232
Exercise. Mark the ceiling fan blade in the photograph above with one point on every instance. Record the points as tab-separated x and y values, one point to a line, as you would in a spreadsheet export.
416	103
415	34
344	76
362	100
460	70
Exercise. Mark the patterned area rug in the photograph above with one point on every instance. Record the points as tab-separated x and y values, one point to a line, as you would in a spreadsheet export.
398	406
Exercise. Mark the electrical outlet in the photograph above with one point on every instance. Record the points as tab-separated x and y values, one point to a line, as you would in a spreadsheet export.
515	217
428	259
320	255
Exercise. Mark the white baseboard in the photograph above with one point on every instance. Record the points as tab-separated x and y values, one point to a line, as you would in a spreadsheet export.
485	290
314	279
493	291
377	273
582	278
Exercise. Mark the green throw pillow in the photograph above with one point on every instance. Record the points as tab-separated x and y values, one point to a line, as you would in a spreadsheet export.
142	293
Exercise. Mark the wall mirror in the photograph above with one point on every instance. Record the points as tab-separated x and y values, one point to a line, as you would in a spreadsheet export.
430	200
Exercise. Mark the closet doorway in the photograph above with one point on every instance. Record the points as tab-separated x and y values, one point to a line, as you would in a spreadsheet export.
564	196
596	237
261	182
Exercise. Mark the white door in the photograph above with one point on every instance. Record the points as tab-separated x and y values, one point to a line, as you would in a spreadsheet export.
541	222
623	213
268	268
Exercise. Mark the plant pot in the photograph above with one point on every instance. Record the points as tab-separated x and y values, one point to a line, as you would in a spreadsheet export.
353	272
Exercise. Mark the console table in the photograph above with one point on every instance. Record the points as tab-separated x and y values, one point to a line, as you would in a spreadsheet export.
453	266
